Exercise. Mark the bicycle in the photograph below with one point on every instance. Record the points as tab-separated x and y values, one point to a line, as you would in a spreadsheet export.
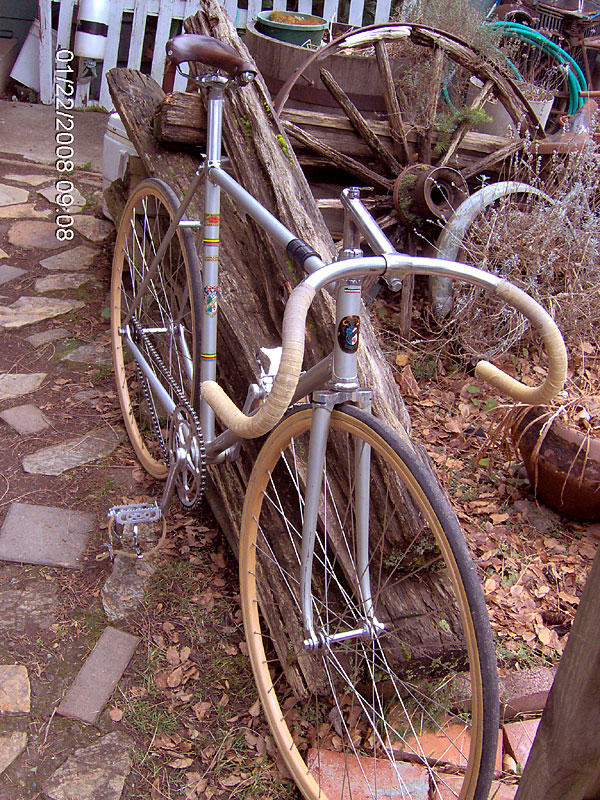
346	537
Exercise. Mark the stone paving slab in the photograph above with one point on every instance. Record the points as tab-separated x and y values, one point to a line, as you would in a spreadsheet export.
12	195
90	354
30	179
15	691
44	337
96	680
91	228
27	210
84	449
73	260
60	280
97	772
450	789
35	607
525	692
50	193
26	419
28	310
15	384
11	747
8	273
124	589
45	535
34	234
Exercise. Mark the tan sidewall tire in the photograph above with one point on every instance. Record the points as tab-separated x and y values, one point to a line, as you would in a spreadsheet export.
293	425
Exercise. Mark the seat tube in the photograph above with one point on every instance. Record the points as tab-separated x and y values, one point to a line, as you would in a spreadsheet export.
319	430
210	249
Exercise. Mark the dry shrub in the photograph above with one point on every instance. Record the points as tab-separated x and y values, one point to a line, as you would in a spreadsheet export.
549	248
419	80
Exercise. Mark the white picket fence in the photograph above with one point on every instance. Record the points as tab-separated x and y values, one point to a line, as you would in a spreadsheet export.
165	12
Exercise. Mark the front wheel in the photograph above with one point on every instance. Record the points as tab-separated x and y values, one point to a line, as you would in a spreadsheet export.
411	711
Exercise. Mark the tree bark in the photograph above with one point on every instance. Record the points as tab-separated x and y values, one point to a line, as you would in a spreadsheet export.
256	277
564	762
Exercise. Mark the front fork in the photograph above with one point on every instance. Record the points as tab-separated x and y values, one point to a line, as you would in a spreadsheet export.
344	387
316	501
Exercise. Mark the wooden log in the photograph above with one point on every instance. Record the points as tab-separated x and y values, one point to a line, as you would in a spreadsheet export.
180	118
564	762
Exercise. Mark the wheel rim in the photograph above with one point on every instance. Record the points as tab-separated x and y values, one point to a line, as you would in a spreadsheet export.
164	328
392	741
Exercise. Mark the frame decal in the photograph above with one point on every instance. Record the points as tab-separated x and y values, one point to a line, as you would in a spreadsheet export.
211	299
348	333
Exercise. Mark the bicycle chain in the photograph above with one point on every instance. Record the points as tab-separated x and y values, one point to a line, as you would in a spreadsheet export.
181	399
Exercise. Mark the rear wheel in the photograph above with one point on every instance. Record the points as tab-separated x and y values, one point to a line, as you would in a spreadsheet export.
165	325
416	705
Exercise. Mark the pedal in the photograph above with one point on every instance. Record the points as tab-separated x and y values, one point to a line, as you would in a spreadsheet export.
131	532
135	513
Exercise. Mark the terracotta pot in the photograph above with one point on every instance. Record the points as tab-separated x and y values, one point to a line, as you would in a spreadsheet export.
565	473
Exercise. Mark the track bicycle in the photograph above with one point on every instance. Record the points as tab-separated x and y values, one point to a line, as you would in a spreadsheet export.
349	547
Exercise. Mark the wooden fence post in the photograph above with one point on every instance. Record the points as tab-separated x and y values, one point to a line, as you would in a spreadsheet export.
564	763
46	64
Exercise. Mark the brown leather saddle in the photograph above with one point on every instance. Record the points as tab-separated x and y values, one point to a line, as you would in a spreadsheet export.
209	51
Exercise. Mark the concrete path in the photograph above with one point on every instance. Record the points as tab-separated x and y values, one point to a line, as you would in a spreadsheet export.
28	130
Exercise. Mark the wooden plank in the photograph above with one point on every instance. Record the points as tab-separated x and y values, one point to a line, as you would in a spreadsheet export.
254	6
46	55
138	29
330	10
112	49
333	128
355	15
97	678
163	30
564	761
65	20
382	11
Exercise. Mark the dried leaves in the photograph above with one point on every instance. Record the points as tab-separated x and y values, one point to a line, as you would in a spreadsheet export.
533	565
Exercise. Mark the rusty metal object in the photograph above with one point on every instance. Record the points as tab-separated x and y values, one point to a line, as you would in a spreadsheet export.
562	463
514	12
435	193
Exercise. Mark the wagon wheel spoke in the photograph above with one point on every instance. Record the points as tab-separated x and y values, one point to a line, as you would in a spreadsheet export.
339	159
432	97
359	123
494	158
426	141
462	129
392	105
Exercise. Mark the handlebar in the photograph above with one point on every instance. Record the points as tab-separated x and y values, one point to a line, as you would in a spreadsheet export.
392	267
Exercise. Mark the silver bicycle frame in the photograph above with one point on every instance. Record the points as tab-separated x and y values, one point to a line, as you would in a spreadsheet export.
338	372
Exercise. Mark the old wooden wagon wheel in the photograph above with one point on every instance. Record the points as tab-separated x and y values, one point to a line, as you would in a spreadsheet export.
421	151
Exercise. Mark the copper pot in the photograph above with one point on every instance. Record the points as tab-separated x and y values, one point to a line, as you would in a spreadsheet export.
564	470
